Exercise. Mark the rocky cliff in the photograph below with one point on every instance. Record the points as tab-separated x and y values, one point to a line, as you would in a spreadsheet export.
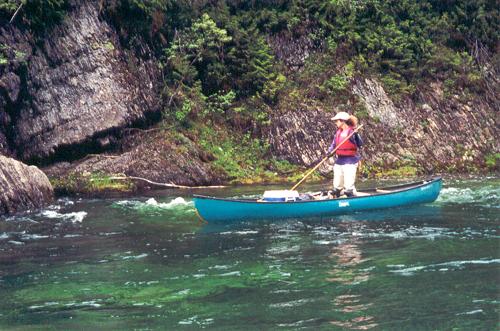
433	134
436	132
69	92
22	187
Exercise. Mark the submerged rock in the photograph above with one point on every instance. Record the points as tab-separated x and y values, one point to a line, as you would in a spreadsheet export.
22	187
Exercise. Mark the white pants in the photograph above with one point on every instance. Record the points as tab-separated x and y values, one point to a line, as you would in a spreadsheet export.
344	177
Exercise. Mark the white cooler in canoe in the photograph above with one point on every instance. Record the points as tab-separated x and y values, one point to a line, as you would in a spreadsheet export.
280	195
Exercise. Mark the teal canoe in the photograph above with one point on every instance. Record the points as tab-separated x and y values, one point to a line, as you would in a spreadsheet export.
212	209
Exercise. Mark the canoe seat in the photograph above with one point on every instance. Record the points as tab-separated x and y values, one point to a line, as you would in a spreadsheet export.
383	191
362	194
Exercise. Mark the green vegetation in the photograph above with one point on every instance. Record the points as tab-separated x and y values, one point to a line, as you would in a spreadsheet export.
39	15
220	48
109	46
216	49
90	183
220	70
492	161
406	168
8	6
9	54
244	159
101	182
399	172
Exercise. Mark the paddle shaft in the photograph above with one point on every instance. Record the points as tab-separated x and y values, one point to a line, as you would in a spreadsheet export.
326	158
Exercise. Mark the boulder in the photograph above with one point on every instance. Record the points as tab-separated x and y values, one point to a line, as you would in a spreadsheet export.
22	187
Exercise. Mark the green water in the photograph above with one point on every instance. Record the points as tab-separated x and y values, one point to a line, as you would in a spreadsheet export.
147	263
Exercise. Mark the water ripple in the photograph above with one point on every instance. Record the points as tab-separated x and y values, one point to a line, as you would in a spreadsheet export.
488	195
75	217
196	320
292	303
151	203
324	237
445	266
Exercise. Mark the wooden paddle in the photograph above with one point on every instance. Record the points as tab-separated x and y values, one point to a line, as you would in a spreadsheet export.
326	157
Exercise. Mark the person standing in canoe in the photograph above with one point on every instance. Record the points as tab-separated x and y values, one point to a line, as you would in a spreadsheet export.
348	157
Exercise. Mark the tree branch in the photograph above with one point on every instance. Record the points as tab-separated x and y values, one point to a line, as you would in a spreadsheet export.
16	12
169	185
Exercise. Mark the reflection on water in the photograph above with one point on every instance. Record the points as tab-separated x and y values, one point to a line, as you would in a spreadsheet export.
147	263
348	256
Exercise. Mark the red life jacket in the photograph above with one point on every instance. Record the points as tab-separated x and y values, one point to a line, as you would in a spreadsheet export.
348	148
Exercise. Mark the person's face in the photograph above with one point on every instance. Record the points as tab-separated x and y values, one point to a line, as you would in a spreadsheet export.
338	123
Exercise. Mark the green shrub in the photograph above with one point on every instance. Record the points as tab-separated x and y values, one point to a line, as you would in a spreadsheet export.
8	7
182	113
218	103
336	83
492	160
43	15
99	182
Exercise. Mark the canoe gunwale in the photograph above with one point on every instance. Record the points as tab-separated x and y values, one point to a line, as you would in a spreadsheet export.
394	190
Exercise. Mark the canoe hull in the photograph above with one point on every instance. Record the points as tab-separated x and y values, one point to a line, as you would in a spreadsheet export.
218	209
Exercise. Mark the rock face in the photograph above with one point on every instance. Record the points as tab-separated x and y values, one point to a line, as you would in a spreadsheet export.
432	134
379	106
76	88
292	50
155	156
301	136
22	187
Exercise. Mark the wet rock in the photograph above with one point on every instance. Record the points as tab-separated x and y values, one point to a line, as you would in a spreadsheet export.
22	187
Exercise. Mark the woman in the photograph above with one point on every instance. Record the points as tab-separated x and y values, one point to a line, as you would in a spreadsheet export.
344	170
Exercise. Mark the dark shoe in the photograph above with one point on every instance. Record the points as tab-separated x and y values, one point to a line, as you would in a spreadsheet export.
337	193
349	194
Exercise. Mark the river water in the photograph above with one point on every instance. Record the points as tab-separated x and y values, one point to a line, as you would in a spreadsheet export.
148	263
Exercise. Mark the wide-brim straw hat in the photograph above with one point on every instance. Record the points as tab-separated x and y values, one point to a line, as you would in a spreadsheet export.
341	116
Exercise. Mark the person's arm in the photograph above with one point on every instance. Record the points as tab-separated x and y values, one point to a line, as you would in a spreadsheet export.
356	139
332	146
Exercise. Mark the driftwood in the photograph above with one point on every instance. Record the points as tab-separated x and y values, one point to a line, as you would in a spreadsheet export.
169	185
144	130
98	156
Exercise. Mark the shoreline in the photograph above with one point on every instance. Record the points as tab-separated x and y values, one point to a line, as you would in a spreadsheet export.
107	192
